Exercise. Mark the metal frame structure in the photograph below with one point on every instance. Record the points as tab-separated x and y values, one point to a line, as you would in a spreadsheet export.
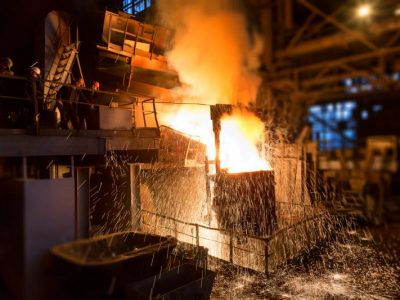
309	62
126	39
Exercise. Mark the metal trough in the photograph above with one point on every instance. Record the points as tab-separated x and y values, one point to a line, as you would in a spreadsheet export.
113	248
101	267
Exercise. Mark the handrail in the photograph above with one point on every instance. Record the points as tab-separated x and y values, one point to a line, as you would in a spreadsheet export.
18	88
114	97
111	93
27	79
313	217
224	231
265	241
154	111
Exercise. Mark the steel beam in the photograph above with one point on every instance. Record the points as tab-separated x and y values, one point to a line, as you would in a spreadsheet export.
318	27
153	91
332	79
301	31
357	35
136	204
335	62
82	202
339	39
27	145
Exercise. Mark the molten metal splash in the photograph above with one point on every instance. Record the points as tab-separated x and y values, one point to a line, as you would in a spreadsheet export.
241	138
242	143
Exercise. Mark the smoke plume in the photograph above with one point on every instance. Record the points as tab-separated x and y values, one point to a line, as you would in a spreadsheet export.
213	51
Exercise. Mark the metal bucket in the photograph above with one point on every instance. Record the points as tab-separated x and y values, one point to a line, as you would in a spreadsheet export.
245	202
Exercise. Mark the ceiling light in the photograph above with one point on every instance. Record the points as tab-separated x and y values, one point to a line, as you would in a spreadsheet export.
364	11
397	11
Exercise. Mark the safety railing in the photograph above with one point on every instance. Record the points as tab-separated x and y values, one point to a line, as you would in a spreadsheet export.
263	254
26	94
18	85
153	111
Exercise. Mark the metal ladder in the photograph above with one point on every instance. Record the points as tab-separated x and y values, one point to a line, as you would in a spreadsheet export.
59	72
153	111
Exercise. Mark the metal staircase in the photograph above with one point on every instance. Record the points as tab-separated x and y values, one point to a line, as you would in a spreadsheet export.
59	72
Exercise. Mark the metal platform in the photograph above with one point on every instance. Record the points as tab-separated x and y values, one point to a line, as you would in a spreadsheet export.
58	142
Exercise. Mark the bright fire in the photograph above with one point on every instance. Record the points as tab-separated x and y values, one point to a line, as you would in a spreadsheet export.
242	143
241	138
217	58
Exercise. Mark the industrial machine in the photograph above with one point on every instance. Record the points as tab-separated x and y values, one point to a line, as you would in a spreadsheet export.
244	202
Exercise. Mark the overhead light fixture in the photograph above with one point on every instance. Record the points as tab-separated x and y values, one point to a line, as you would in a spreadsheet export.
397	11
364	11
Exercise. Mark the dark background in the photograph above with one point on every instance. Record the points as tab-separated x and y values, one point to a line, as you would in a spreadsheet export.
22	27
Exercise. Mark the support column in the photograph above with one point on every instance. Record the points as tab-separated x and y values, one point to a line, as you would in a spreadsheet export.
266	28
135	196
24	167
82	202
288	14
216	113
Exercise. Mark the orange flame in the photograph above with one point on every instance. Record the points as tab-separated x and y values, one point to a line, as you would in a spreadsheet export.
242	143
215	55
217	59
241	137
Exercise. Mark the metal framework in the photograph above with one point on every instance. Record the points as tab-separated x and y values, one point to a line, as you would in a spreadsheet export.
138	44
327	46
309	62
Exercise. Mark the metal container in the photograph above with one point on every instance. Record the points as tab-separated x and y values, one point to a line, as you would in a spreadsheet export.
245	202
101	267
183	282
112	248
